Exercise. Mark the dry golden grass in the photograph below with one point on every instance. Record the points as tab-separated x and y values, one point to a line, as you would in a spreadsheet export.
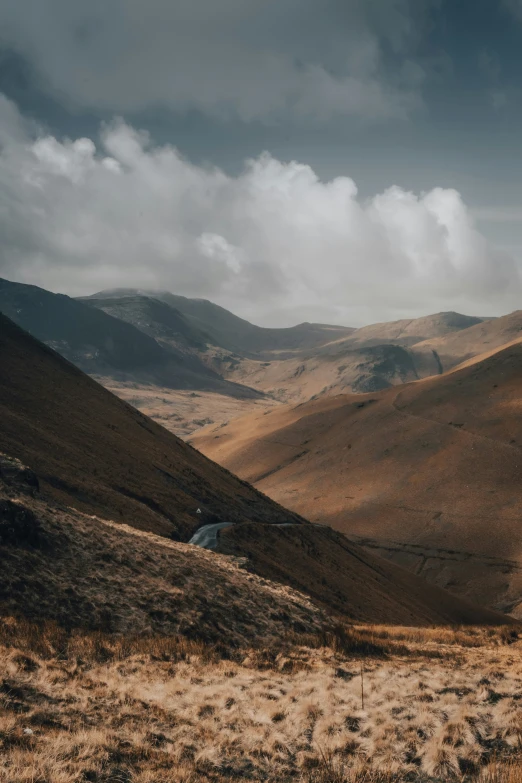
84	572
90	707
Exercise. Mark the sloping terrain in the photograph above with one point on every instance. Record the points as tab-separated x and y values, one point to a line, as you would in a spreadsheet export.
106	346
303	378
102	456
430	472
453	349
138	343
182	411
89	573
408	332
325	565
366	360
156	318
95	454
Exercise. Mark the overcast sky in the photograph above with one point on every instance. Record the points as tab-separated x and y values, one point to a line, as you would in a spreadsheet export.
324	160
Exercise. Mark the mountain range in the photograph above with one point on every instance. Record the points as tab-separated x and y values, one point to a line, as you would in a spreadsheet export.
97	465
405	436
189	362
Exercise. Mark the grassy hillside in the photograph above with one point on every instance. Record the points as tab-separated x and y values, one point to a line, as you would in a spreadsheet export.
94	453
435	464
343	577
99	454
85	572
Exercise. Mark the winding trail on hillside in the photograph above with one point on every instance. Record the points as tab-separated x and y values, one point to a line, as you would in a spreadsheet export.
207	536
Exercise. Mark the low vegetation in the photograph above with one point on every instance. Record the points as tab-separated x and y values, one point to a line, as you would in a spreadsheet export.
365	704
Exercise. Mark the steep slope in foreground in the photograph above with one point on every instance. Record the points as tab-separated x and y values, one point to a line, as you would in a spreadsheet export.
100	455
342	576
435	466
89	573
86	572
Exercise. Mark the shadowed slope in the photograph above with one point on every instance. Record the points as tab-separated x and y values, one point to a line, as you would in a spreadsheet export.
226	330
154	317
99	454
108	346
89	573
345	578
96	454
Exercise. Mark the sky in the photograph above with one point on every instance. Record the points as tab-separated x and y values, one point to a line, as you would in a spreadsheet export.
339	161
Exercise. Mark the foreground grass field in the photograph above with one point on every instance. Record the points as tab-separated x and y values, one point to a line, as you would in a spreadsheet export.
365	705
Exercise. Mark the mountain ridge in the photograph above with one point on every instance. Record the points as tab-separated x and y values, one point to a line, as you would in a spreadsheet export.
95	456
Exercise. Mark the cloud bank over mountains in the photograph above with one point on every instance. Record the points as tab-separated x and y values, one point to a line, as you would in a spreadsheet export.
273	243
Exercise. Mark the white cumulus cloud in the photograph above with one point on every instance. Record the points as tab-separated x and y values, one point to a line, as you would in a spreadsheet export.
274	243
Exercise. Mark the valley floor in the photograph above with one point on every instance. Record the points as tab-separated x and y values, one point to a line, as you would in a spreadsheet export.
182	411
371	704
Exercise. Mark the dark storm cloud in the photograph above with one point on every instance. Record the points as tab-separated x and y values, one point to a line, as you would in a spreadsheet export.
248	58
394	94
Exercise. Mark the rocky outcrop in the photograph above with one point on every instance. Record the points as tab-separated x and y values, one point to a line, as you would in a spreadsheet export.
14	473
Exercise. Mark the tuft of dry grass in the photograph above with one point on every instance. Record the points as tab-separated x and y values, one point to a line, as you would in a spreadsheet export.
507	772
77	707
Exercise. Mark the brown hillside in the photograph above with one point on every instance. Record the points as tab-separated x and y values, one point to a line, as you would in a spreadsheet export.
348	369
435	465
94	453
328	567
88	573
457	347
368	359
409	331
98	454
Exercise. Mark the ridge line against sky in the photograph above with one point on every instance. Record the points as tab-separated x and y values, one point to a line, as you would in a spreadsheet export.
342	162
